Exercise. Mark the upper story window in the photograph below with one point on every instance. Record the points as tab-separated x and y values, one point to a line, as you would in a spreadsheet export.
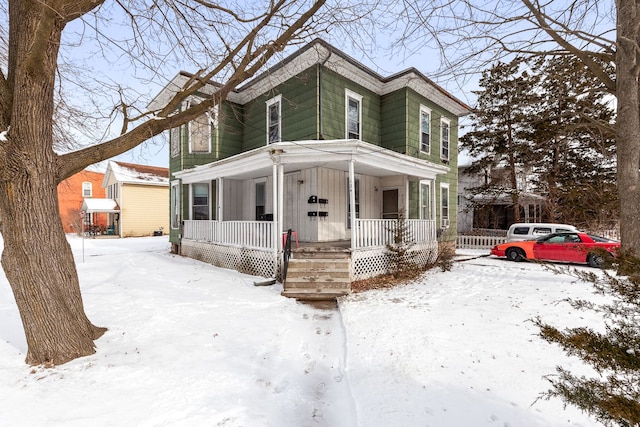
425	129
112	191
274	119
445	127
200	134
86	189
174	141
353	106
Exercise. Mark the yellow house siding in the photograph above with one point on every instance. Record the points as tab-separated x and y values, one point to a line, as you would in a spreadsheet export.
144	209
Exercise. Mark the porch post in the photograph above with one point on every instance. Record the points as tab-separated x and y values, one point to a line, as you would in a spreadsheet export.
220	198
280	198
434	217
277	232
352	203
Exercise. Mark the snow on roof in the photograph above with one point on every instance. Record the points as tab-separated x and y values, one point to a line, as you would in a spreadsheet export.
100	205
130	173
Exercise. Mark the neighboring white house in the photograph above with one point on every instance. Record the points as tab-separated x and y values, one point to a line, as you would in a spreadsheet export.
493	209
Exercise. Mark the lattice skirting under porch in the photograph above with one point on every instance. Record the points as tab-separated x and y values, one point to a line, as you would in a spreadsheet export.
371	262
249	261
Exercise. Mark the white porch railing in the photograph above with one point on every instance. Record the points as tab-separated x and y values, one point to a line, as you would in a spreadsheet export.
259	234
379	232
252	234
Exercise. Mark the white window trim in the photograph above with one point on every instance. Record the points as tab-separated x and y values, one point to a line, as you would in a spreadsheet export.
356	96
448	122
430	183
213	114
191	198
175	186
89	185
427	111
174	146
445	221
275	100
208	139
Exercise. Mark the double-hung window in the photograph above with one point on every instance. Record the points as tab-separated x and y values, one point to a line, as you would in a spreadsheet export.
174	141
425	129
445	127
200	134
444	205
200	201
274	119
175	204
425	200
353	107
261	198
86	189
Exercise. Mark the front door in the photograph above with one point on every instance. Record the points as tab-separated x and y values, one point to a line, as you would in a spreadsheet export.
390	204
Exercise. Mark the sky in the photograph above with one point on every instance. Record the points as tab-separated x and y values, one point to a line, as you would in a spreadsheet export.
113	68
190	344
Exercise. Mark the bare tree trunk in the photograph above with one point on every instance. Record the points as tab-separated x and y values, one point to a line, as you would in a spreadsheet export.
628	122
37	259
39	265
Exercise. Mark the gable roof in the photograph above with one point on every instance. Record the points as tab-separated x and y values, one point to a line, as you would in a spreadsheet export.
100	205
321	52
130	173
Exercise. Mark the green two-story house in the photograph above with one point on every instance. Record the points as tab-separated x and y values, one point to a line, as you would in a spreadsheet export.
301	147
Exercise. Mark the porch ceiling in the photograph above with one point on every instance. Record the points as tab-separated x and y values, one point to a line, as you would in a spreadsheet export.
368	159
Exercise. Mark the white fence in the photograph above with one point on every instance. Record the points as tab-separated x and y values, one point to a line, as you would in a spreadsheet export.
379	232
478	242
250	234
259	234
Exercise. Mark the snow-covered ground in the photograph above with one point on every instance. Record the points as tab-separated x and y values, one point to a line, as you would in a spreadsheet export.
190	344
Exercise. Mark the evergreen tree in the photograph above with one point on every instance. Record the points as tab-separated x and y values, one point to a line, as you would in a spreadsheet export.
501	129
574	143
401	263
547	121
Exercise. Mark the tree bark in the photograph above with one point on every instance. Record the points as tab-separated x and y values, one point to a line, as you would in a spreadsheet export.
628	122
37	258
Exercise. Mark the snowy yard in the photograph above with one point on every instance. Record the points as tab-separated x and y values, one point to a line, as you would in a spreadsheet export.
190	344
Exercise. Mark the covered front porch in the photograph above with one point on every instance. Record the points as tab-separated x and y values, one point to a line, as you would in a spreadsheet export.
239	208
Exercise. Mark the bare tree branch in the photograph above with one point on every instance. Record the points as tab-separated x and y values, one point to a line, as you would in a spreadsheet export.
245	66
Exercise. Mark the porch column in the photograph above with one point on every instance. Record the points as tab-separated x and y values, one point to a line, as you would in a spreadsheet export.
352	202
277	232
434	217
280	199
220	199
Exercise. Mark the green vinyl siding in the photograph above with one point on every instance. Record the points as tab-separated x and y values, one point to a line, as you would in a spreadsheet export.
334	109
394	122
312	107
226	140
414	200
298	110
414	100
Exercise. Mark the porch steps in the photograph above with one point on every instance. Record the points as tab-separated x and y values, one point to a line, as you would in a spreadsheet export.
318	276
